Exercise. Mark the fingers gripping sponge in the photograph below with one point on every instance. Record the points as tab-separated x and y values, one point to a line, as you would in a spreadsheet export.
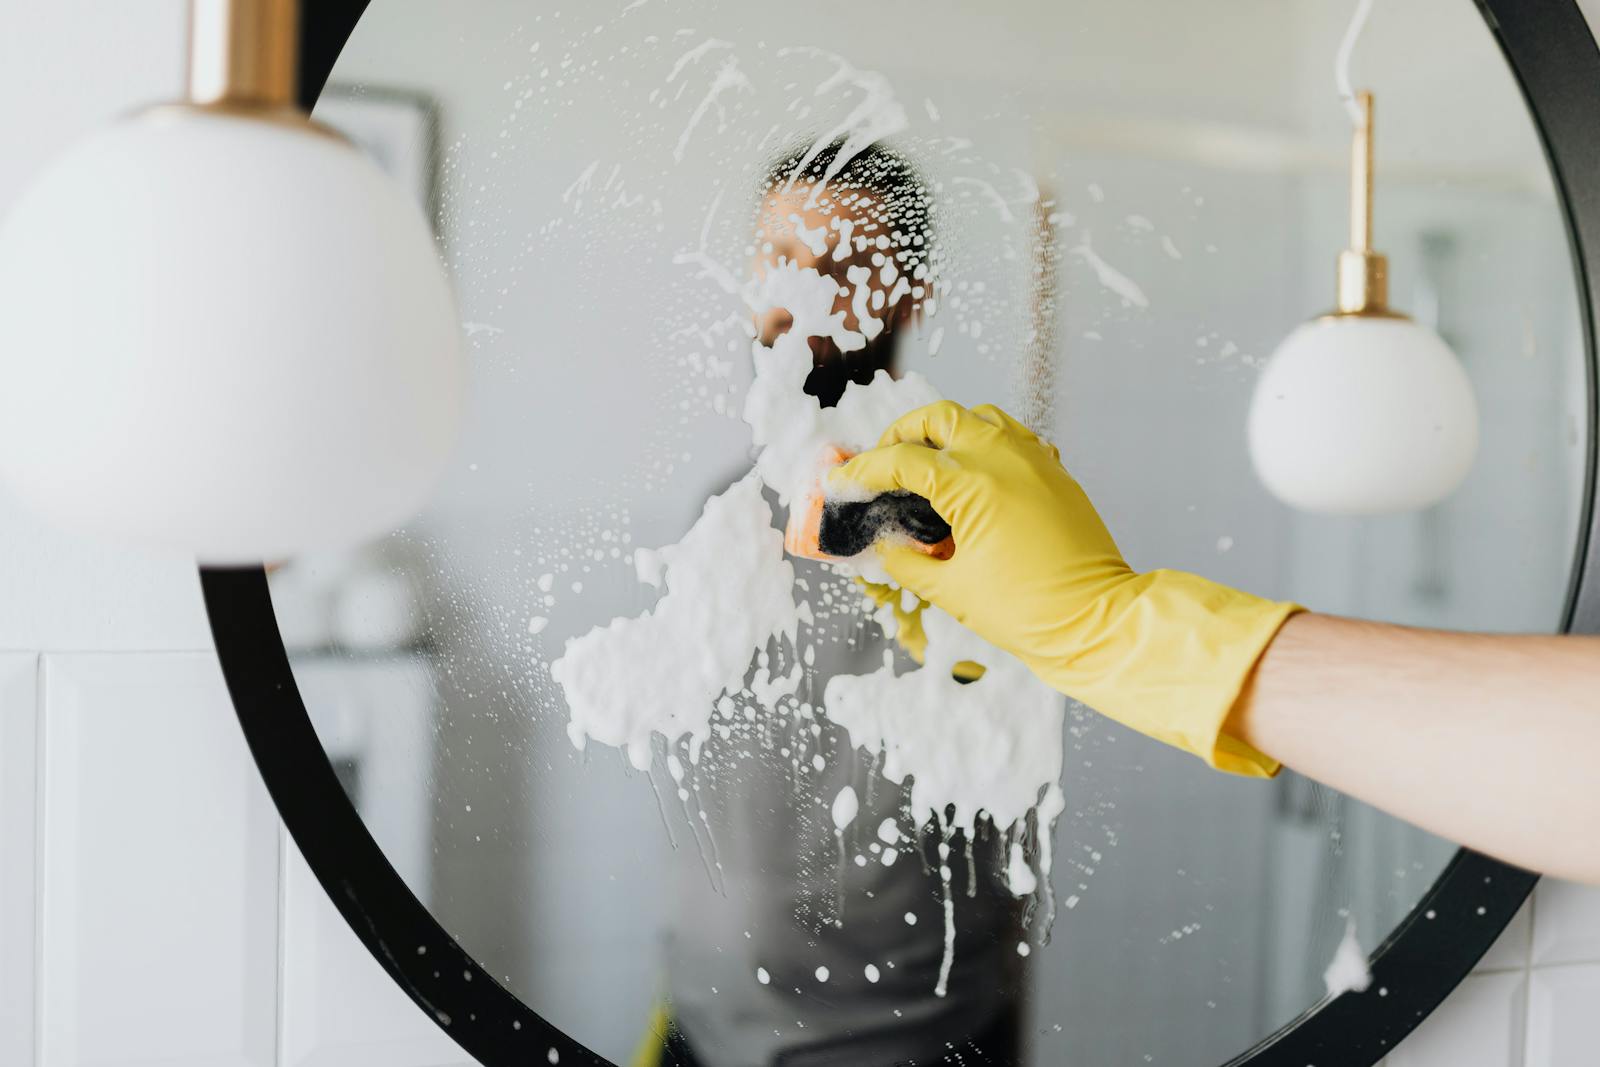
825	529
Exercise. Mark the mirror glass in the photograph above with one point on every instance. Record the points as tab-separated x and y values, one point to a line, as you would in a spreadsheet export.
642	783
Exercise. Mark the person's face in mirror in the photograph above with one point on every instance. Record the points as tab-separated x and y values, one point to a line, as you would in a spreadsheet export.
842	237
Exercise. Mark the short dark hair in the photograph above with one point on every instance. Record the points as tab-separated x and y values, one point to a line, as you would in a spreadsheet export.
903	211
905	208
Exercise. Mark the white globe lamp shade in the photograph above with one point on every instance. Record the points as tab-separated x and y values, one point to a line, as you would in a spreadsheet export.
1362	411
223	330
1362	415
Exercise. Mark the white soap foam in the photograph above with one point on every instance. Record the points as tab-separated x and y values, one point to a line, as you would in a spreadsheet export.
1109	276
949	957
647	566
1019	874
991	748
729	592
794	434
1348	971
876	115
845	806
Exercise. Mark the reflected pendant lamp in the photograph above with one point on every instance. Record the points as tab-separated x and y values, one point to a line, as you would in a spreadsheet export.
222	329
1362	411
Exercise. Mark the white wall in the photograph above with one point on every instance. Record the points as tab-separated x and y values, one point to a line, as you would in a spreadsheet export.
150	908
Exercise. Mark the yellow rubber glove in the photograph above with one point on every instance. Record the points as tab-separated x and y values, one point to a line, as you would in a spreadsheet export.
653	1045
1036	572
908	631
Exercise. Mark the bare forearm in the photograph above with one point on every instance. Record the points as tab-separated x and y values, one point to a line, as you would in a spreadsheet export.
1492	741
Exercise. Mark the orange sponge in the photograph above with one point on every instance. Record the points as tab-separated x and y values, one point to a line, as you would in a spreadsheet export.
825	529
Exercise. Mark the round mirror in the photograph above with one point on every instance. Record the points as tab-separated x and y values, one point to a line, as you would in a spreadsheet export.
688	797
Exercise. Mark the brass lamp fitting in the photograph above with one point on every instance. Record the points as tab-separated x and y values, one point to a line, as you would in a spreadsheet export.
243	53
244	63
1363	273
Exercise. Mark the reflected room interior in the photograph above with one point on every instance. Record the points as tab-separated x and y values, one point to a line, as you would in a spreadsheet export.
1133	209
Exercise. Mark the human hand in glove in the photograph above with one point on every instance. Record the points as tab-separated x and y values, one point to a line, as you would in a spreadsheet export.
1036	572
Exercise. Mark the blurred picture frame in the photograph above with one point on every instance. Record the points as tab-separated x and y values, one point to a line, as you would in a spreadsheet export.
398	128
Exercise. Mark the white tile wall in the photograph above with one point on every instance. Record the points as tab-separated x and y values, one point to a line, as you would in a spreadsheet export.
1568	926
1563	1025
1510	952
1479	1026
1539	986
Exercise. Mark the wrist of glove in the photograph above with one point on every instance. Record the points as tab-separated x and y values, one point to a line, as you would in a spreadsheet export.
1167	655
1036	572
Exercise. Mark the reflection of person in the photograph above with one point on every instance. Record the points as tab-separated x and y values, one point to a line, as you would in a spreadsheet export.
1489	740
803	953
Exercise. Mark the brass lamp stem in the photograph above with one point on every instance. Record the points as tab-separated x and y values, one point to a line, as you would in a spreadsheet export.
1363	273
243	53
1361	177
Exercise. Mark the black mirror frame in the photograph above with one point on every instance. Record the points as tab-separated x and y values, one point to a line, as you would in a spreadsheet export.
1554	58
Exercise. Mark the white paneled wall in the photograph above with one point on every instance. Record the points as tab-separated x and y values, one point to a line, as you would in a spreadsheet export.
150	908
18	787
158	858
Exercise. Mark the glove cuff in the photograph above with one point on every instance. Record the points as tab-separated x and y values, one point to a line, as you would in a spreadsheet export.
1169	658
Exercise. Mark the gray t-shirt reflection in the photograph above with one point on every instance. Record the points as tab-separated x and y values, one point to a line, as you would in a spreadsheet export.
786	901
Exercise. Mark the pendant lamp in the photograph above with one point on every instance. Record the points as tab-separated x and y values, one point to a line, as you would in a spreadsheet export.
223	330
1362	411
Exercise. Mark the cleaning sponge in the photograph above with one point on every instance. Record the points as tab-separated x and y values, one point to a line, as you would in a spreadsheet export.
825	529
